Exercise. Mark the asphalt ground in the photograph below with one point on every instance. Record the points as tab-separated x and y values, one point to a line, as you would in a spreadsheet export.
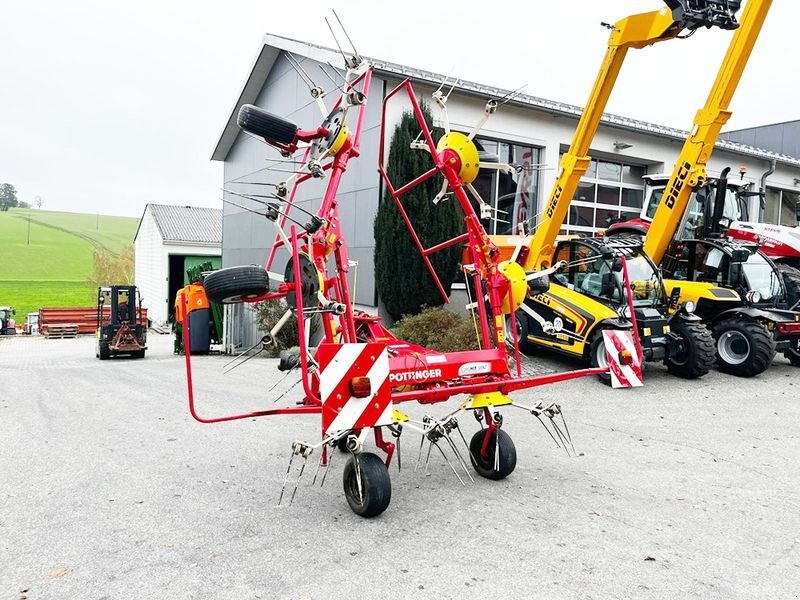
109	489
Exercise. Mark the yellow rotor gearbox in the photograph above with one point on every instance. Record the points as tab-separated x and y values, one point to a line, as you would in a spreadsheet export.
518	286
467	153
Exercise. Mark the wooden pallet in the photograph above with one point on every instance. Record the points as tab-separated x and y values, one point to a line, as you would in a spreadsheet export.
61	331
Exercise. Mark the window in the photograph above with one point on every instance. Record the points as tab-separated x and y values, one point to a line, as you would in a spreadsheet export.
515	195
780	207
607	192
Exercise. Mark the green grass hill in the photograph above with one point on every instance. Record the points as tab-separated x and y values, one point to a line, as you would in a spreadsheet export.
53	268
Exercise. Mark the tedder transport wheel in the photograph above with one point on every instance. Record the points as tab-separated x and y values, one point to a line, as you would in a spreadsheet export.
744	347
236	284
697	356
485	465
266	125
598	356
376	486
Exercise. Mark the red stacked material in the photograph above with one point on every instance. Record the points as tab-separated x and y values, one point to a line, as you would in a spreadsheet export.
84	317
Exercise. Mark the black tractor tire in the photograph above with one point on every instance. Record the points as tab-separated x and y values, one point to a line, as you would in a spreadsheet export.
236	284
485	466
103	352
791	280
376	485
598	357
264	124
699	354
793	356
138	354
744	347
520	319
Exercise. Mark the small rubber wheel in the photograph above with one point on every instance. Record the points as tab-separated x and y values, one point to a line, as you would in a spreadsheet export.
103	352
744	347
266	125
598	357
485	465
138	354
236	284
697	355
376	485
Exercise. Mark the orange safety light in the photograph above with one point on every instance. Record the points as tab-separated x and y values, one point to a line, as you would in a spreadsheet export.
360	387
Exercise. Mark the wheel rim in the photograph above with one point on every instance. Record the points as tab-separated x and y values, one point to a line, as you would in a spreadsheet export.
509	333
600	355
733	347
351	487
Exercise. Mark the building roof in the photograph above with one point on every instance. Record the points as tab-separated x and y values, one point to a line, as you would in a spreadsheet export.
190	225
273	45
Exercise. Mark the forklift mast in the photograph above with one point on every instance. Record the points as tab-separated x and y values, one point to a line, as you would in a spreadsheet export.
690	168
635	31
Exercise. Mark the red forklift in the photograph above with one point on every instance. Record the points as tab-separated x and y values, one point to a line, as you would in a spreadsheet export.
121	326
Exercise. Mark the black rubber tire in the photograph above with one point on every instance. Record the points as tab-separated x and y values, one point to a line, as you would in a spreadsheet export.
485	466
102	351
597	340
791	280
793	356
236	284
700	353
757	352
521	321
138	354
266	125
376	485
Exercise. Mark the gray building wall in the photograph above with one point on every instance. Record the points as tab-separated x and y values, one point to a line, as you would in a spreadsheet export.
780	137
248	237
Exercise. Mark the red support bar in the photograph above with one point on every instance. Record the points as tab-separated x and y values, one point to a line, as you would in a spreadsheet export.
460	238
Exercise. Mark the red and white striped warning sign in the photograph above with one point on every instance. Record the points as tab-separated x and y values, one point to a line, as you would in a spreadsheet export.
622	375
339	364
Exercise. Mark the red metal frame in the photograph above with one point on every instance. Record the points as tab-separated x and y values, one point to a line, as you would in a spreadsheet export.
419	374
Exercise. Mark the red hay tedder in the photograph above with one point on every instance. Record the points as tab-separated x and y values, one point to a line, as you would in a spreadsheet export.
359	374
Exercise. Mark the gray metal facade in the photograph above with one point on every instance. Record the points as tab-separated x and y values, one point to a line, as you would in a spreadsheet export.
247	237
783	138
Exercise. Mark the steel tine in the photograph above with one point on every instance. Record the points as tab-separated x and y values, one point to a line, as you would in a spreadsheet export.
548	431
236	366
419	454
559	433
569	435
299	477
428	458
452	468
458	455
327	468
280	380
399	461
286	478
289	389
319	465
238	356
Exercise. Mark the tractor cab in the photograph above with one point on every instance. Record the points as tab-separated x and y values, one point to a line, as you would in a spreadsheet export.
7	324
121	327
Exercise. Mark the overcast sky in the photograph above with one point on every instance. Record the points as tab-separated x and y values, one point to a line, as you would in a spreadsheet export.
105	106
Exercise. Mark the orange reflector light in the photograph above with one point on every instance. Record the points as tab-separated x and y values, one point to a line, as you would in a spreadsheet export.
360	387
625	357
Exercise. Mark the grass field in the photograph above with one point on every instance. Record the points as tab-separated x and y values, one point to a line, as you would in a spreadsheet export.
52	266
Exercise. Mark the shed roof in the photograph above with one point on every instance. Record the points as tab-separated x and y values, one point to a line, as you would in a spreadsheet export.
192	225
273	45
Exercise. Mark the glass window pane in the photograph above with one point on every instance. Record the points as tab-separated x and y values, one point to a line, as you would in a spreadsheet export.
788	211
632	198
582	216
633	174
585	192
773	204
605	217
607	194
591	172
486	145
609	171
